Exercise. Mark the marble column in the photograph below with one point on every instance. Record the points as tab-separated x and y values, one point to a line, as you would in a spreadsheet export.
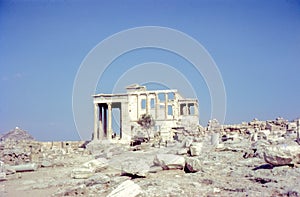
166	105
109	130
105	121
95	136
175	107
196	109
148	104
187	109
100	130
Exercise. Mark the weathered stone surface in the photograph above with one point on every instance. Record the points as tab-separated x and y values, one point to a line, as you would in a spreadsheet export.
186	142
215	139
46	163
104	155
181	151
214	125
196	149
216	169
98	178
8	169
127	188
82	173
282	155
96	164
1	166
192	164
96	147
79	190
2	176
25	167
135	167
169	161
117	180
155	169
15	155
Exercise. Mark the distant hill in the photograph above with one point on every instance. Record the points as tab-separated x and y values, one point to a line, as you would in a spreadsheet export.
16	134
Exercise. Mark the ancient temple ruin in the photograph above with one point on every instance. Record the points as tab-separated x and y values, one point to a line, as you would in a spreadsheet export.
167	107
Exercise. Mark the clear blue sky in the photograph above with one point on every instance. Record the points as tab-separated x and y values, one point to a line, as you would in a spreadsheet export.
256	45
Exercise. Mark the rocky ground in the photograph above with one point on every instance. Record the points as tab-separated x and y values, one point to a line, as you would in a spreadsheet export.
218	172
189	167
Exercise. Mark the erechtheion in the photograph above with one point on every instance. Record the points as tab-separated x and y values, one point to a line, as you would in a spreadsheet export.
167	107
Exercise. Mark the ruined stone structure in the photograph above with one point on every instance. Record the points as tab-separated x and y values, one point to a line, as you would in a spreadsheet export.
167	107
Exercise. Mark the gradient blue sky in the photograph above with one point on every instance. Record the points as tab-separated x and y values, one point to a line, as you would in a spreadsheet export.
256	45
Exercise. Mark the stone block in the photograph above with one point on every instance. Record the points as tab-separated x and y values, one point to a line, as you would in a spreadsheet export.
196	149
282	155
25	167
135	167
82	173
2	176
96	164
127	188
169	161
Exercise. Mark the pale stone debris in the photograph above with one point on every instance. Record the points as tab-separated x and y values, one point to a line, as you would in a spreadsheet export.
96	165
25	167
215	139
2	176
135	167
282	154
256	158
127	188
88	169
1	166
193	164
169	161
82	173
196	149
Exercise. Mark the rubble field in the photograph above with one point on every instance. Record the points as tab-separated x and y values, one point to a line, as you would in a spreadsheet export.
258	158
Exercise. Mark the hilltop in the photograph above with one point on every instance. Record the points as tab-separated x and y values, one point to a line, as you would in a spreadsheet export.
16	134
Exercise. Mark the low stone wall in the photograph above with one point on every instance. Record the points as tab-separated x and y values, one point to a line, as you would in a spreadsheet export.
23	151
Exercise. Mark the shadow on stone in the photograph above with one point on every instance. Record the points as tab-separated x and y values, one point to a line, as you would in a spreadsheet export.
132	176
264	166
